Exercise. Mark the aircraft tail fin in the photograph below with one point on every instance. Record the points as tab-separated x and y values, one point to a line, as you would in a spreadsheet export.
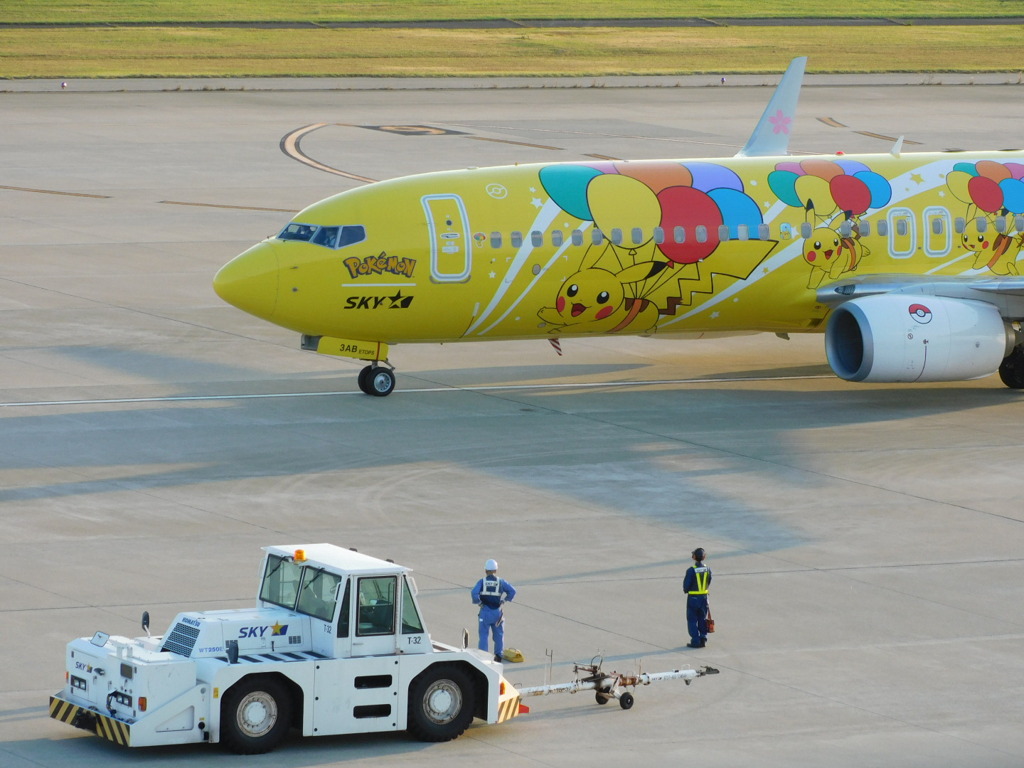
771	136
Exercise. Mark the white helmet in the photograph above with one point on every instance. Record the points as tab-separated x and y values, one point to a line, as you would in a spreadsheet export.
491	565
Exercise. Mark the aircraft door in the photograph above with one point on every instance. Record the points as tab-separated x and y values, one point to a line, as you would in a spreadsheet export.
938	235
450	241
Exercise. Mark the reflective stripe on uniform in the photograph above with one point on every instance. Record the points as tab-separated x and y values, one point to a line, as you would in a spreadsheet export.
701	574
491	587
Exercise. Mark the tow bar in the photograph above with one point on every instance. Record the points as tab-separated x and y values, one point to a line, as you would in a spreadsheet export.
611	685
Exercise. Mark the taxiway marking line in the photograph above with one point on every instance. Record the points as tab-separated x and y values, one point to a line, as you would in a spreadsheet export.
420	390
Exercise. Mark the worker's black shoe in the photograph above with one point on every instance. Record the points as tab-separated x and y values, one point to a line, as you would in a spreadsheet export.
497	658
697	644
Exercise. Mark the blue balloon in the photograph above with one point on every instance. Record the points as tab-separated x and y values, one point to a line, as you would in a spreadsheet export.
881	192
737	208
1013	195
966	168
567	186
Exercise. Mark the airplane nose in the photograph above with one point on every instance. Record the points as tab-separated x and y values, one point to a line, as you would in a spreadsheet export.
250	281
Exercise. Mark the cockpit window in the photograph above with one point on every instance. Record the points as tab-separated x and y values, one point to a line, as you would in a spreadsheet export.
350	235
294	231
326	236
329	237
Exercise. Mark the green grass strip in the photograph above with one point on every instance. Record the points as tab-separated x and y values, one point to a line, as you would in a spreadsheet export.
184	52
92	11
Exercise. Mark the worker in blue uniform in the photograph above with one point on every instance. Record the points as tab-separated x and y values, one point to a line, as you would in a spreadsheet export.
490	593
695	585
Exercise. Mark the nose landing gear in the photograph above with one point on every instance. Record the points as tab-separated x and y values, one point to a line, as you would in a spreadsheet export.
377	380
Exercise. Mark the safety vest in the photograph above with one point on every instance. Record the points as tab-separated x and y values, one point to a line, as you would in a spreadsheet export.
703	574
490	591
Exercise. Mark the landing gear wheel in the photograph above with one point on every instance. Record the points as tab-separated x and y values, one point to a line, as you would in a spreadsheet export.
441	703
377	380
626	700
364	379
1011	370
255	716
601	698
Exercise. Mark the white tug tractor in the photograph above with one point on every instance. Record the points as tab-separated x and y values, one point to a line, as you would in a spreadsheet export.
336	644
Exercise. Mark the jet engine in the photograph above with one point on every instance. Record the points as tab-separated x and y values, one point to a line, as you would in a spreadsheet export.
895	337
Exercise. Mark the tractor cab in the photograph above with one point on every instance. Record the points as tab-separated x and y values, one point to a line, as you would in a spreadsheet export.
356	605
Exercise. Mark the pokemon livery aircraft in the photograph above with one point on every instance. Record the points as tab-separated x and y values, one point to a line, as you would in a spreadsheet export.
907	262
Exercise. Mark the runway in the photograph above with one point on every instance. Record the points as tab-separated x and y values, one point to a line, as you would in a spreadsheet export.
866	541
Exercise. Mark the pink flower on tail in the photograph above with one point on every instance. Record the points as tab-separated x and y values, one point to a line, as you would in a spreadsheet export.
780	122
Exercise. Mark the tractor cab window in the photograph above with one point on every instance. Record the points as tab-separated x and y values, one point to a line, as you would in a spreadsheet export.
328	237
411	622
281	582
319	594
377	605
346	608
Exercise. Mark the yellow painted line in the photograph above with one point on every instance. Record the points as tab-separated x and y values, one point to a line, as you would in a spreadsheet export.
833	123
232	207
290	146
54	192
517	143
871	135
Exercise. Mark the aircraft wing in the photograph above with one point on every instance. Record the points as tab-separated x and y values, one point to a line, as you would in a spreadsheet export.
1006	293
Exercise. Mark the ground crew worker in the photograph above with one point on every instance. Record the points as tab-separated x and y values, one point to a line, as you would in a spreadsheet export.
695	585
489	593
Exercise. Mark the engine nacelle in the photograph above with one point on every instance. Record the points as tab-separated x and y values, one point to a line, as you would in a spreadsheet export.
901	337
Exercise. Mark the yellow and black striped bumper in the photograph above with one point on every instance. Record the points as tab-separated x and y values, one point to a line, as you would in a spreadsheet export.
509	708
90	720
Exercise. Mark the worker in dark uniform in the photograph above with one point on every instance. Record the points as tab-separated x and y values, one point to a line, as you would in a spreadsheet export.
489	593
695	585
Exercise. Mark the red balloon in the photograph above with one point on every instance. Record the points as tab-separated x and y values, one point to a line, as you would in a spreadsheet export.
850	194
986	193
687	207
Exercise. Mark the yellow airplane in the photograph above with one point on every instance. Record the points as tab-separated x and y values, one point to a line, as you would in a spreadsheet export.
907	262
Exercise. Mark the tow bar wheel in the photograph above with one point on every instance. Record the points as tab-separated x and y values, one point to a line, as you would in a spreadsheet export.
441	704
255	716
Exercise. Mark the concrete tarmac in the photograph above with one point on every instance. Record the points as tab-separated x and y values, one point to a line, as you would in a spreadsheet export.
866	541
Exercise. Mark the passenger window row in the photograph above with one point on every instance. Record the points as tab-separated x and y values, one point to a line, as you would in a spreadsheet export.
700	233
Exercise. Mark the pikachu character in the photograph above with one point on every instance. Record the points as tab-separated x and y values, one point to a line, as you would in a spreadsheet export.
594	300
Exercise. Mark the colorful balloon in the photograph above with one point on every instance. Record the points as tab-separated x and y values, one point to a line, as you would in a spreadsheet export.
815	190
1013	195
852	167
1016	170
957	182
985	193
824	169
881	192
992	170
792	167
657	174
850	194
736	209
621	202
708	176
688	207
783	184
567	186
